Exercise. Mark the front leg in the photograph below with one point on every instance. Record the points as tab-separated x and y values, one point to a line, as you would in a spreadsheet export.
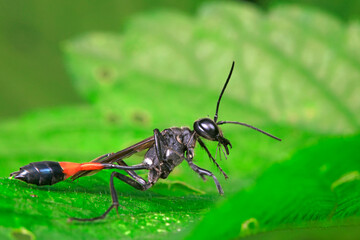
202	144
159	144
203	172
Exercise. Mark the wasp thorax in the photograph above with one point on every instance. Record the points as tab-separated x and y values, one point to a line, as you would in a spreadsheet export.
207	128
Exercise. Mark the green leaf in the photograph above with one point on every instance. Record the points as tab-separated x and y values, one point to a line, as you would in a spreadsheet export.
167	69
143	215
316	185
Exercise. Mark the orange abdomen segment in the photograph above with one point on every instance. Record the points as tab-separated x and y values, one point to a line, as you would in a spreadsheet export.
70	168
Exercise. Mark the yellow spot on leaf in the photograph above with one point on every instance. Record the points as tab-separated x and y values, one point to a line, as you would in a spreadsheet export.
249	225
348	177
22	234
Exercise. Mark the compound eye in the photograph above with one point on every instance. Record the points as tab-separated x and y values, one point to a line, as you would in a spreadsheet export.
207	128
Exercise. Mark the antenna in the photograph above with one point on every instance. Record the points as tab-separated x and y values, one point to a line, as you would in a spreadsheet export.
249	126
222	92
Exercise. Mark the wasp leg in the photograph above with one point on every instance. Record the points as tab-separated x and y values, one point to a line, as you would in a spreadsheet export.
203	172
142	185
159	143
202	144
125	167
132	173
122	163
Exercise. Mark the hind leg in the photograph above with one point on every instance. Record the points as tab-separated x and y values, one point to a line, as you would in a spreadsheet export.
140	185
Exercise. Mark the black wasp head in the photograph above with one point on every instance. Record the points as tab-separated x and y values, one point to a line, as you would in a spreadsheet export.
208	129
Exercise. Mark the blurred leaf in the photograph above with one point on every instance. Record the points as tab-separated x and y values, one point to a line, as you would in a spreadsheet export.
293	66
293	193
32	75
167	69
345	10
343	232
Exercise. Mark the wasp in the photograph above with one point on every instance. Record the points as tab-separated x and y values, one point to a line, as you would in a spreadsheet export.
165	151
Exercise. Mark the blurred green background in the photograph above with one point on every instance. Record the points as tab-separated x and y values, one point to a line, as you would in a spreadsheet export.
32	72
32	67
80	79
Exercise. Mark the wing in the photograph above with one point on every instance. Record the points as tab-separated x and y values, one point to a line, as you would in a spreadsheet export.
125	153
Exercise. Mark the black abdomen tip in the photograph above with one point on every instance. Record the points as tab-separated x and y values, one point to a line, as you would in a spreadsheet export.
40	173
